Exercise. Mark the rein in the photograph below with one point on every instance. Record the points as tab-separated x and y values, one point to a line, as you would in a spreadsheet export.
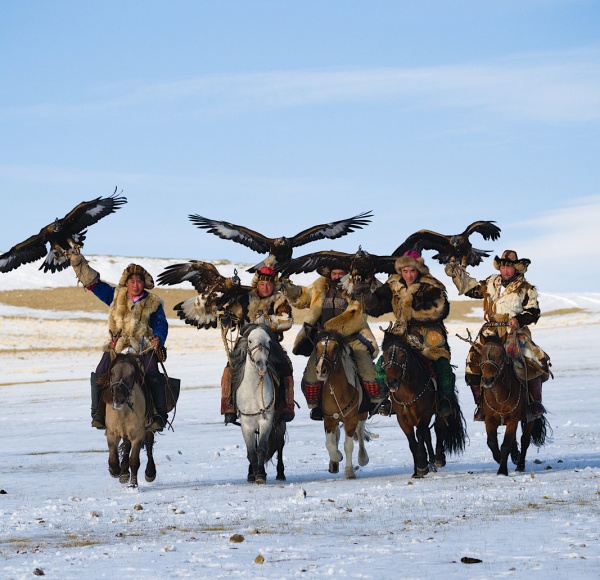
502	369
128	388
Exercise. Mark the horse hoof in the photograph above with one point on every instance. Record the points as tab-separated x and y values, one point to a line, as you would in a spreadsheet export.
440	461
150	478
334	467
351	476
132	485
251	478
124	478
280	477
502	471
420	473
260	480
520	468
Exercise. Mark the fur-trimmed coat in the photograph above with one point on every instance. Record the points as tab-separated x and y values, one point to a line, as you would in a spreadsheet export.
352	321
420	310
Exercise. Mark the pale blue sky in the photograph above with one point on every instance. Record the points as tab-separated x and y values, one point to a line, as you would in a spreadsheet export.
280	115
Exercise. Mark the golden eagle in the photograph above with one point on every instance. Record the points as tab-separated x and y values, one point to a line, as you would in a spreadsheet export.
280	248
452	248
63	236
361	266
215	292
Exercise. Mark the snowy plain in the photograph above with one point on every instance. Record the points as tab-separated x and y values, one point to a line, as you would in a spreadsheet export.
63	516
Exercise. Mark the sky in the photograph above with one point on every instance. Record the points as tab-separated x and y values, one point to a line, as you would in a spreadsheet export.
279	116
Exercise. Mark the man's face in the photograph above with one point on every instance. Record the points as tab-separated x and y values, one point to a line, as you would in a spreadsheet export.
507	271
135	286
264	288
337	274
409	274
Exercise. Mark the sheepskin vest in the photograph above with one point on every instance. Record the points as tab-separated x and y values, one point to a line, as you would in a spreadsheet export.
352	321
501	304
420	310
130	321
274	310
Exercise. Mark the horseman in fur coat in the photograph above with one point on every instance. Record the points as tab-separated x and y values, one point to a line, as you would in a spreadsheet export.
420	306
136	323
510	304
262	305
332	308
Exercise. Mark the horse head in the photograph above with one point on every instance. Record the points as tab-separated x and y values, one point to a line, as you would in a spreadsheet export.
395	360
123	374
329	348
259	348
493	359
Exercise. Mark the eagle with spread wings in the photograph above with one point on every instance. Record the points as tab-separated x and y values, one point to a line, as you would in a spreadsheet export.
215	292
452	248
280	248
62	236
361	266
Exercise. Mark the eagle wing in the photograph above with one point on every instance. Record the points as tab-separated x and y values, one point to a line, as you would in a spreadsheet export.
88	213
332	230
424	240
488	230
214	291
311	262
32	249
228	231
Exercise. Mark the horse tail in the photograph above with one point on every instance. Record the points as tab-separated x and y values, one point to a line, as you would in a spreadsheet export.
367	434
453	432
539	433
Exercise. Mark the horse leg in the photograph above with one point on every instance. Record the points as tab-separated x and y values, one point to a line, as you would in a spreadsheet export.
349	450
262	446
507	444
332	439
124	472
280	436
150	472
134	462
491	428
440	456
113	441
249	434
251	477
429	449
363	457
525	441
422	465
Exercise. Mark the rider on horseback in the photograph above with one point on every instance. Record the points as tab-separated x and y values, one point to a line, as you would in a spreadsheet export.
332	309
136	323
510	303
262	305
420	306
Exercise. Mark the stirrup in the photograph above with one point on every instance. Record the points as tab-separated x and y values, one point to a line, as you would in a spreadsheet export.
158	424
478	415
98	421
537	409
385	408
444	408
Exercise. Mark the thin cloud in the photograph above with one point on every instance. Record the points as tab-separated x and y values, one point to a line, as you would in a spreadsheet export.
556	87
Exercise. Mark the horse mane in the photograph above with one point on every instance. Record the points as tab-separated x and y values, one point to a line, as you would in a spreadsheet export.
389	339
238	356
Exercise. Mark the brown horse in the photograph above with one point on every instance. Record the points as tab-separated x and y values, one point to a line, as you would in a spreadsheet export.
342	401
127	420
411	381
504	402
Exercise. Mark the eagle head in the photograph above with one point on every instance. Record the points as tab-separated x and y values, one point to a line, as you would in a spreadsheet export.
56	226
455	241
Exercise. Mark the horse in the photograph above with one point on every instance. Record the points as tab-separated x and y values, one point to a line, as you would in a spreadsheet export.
504	401
341	400
411	381
127	419
254	360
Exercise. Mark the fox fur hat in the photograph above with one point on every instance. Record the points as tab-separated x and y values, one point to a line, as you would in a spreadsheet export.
135	269
510	258
266	273
411	259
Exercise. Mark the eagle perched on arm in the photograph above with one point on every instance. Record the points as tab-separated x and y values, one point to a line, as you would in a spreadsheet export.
63	236
215	291
452	248
280	248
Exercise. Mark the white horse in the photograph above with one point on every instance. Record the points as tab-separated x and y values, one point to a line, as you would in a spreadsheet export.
253	364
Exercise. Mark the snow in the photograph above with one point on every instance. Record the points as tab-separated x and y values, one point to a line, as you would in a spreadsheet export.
64	516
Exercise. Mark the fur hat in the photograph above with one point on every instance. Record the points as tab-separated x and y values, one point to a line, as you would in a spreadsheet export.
510	258
135	269
266	274
411	259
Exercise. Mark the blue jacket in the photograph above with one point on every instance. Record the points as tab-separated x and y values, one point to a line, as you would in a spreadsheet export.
158	319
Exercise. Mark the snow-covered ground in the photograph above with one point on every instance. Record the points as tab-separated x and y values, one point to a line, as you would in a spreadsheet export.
62	515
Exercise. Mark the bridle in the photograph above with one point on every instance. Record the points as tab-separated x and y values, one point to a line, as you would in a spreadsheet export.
392	362
486	360
326	360
128	387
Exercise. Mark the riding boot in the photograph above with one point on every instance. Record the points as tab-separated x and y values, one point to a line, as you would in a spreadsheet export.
445	394
98	407
312	392
227	408
535	393
476	390
289	410
157	384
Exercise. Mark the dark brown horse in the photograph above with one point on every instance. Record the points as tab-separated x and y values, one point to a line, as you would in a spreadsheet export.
127	420
411	381
504	402
342	401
